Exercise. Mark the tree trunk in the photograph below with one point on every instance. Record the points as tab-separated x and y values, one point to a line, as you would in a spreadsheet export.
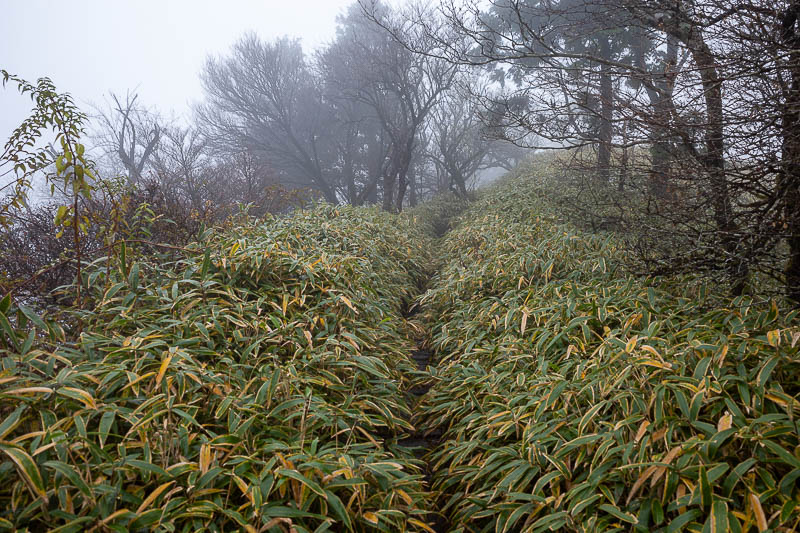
404	164
623	172
661	147
789	182
412	197
714	160
605	132
402	187
389	180
348	173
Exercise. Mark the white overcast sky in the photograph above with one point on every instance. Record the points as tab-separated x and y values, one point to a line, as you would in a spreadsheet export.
155	47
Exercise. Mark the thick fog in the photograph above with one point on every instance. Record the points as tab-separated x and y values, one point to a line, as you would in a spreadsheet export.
154	47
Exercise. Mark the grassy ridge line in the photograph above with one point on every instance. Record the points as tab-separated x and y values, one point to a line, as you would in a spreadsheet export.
256	387
575	397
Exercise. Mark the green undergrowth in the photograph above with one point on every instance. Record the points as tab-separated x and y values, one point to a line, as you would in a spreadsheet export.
576	397
254	385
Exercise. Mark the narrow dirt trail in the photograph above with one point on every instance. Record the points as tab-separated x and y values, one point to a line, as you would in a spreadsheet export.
420	444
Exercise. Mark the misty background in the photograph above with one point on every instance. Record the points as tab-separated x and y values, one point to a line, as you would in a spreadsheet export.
156	48
251	278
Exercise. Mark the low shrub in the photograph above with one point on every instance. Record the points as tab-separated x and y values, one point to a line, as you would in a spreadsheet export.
255	384
575	396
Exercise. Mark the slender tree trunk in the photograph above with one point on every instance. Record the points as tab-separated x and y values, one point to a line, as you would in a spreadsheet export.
402	174
412	196
605	132
623	172
659	91
389	180
715	160
349	175
457	178
372	195
789	182
402	188
660	153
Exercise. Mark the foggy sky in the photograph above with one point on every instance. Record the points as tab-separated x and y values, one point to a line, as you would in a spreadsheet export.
155	47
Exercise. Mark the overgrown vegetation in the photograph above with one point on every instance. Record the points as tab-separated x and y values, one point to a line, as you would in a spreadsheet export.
188	343
574	396
260	383
257	384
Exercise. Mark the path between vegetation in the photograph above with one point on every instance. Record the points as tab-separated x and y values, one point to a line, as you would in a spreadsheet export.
421	443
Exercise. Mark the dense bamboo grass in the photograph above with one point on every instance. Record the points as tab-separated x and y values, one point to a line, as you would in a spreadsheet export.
260	383
576	397
255	385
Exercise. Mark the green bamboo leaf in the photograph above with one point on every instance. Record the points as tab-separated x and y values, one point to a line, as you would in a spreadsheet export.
6	328
12	420
339	509
719	517
33	317
5	304
105	426
302	479
73	476
705	489
615	511
27	469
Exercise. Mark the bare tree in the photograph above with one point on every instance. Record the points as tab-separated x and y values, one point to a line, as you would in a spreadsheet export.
129	133
401	87
707	90
265	98
459	138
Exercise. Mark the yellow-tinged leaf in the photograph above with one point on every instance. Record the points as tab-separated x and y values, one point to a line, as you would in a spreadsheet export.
725	422
205	458
234	248
113	516
275	521
370	517
758	511
406	498
774	337
152	497
28	390
308	337
348	303
137	380
650	349
43	448
783	402
27	469
423	525
524	323
86	398
163	369
631	344
241	484
642	430
653	362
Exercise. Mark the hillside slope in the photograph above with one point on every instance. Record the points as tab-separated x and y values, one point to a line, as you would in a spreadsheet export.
265	382
257	385
576	397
